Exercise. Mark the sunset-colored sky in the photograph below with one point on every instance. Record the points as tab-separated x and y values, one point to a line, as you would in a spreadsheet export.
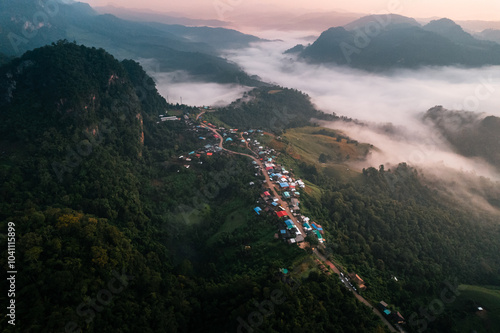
211	9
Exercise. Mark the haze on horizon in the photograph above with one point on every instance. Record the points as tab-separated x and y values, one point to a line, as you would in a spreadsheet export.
224	9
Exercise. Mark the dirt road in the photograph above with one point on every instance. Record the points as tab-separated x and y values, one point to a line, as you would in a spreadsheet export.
284	204
359	297
269	181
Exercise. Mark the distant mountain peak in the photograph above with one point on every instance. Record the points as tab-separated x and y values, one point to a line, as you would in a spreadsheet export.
449	29
382	20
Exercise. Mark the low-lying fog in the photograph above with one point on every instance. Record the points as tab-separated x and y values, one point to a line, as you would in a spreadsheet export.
400	97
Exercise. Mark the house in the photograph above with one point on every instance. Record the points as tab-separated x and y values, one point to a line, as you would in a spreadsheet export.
359	281
397	318
295	203
306	226
257	210
283	185
289	224
281	213
169	118
286	195
229	139
320	238
317	227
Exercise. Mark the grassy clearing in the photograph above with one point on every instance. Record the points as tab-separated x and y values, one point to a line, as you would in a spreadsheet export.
237	216
309	143
470	298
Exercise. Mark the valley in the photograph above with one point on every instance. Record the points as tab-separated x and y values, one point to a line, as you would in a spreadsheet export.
167	173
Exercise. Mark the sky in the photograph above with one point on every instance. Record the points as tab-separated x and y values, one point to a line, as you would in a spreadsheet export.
217	9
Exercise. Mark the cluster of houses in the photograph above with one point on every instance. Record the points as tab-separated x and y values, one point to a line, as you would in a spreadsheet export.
288	188
210	148
393	316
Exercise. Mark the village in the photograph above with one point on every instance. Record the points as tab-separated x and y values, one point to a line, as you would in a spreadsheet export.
280	195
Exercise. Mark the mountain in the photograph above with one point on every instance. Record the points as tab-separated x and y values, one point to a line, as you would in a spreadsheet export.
452	31
273	109
152	16
389	21
118	233
124	39
379	44
471	134
217	38
490	34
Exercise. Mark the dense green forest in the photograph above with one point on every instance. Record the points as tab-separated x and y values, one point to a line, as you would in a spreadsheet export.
388	223
114	235
271	108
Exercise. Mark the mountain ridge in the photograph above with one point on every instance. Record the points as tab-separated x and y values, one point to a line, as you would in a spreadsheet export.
382	45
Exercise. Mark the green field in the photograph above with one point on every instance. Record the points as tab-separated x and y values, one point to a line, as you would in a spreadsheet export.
472	297
309	143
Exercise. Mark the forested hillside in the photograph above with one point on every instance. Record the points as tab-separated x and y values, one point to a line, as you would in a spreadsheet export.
115	235
271	108
471	134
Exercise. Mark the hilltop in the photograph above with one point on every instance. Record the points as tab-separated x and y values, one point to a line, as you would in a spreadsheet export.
382	42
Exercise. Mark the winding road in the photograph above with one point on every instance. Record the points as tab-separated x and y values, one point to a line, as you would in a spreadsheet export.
284	204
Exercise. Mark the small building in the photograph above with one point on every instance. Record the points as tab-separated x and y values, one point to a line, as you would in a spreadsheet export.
397	318
320	238
257	210
281	213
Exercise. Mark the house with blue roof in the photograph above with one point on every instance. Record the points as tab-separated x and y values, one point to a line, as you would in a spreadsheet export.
257	210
